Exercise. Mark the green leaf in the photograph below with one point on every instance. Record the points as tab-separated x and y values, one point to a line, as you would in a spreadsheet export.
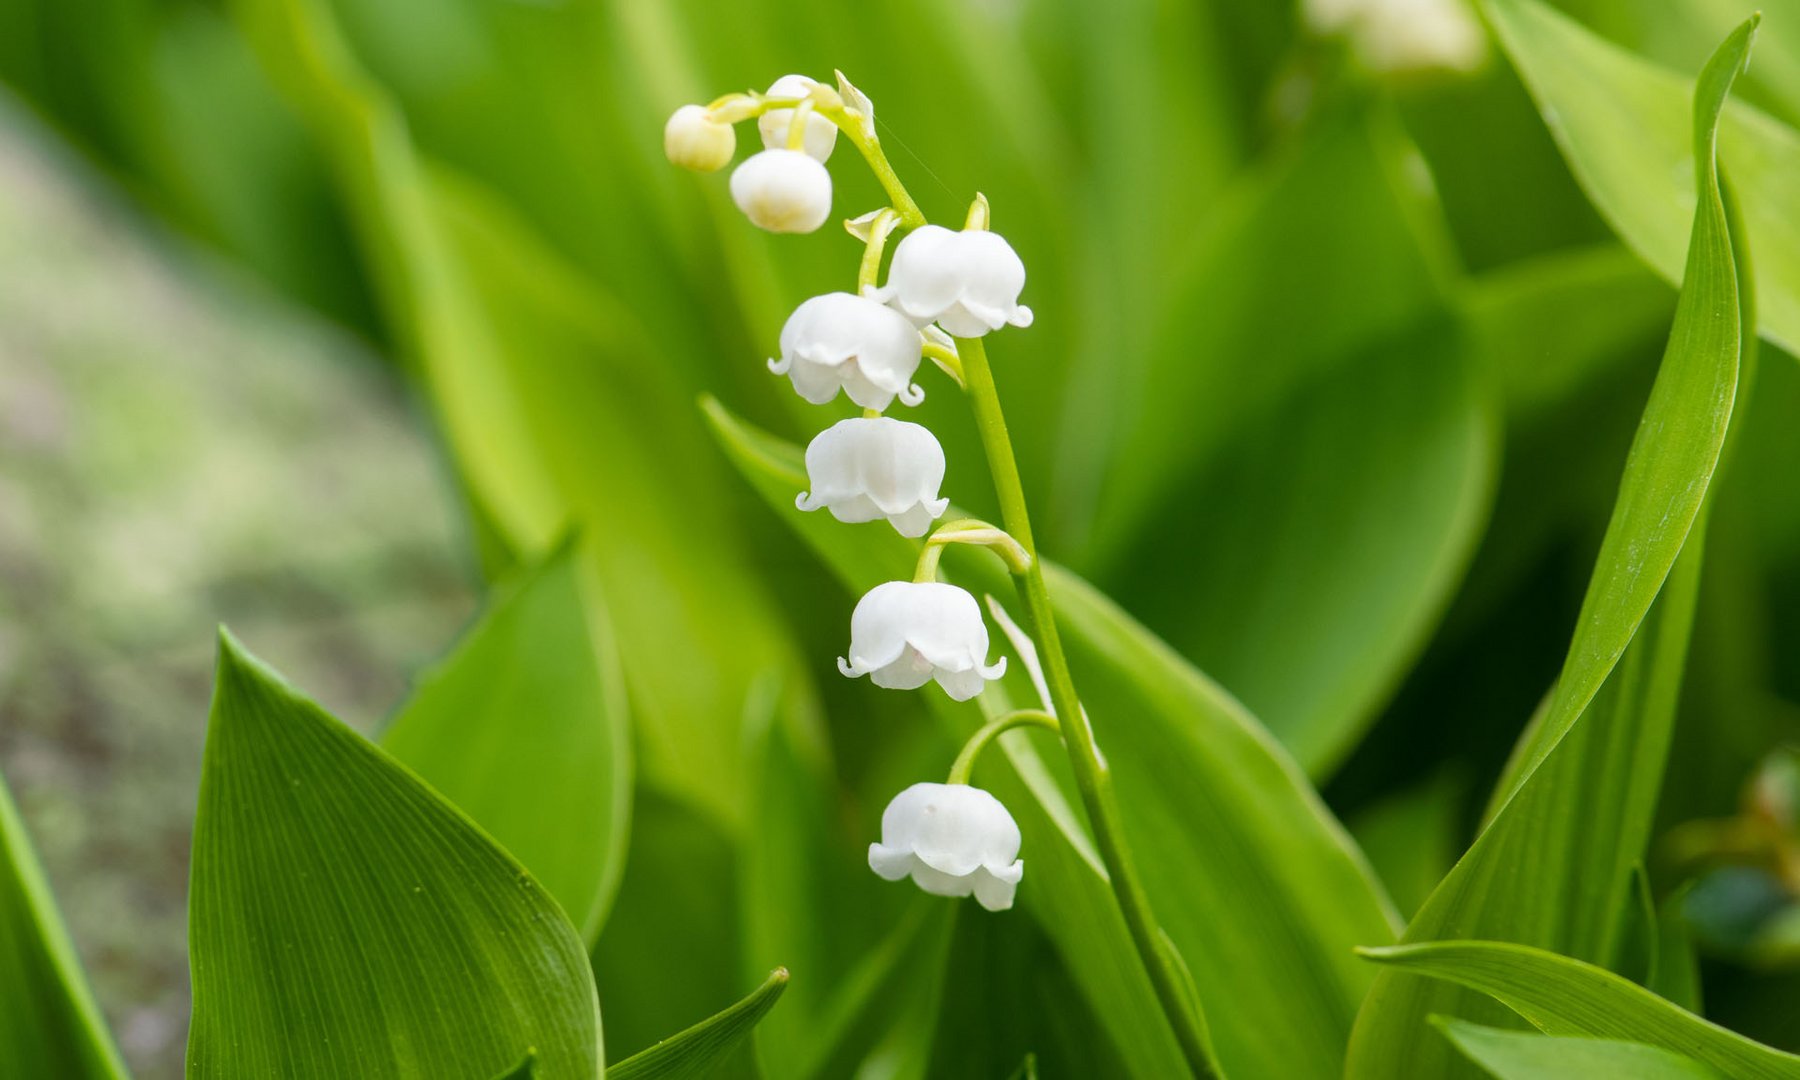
1561	996
1257	885
524	727
1622	123
693	1053
554	411
1677	974
1517	1055
50	1025
345	920
525	1070
1574	808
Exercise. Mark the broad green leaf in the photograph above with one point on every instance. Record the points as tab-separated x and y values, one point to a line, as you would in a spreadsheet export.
346	920
1354	507
556	410
1257	885
1518	1055
1622	122
1575	806
50	1024
524	728
693	1054
1566	997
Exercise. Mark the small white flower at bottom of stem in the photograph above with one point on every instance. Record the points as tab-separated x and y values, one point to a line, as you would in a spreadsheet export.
870	468
782	191
967	282
841	340
952	840
904	634
821	134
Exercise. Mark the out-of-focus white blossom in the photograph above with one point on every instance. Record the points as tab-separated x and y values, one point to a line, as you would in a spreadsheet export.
904	634
783	191
843	340
952	840
967	282
821	134
695	139
1405	36
868	468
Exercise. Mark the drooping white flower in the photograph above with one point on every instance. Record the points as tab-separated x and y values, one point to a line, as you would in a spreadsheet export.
867	468
821	134
953	840
783	191
967	282
695	139
904	634
1397	37
843	340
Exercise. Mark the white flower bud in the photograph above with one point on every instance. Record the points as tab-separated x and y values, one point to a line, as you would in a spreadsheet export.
821	134
967	282
783	191
953	840
1399	37
843	340
694	139
868	468
904	634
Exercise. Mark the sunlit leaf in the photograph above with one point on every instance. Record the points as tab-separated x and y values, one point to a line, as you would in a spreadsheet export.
1567	997
693	1054
524	728
1623	124
1574	807
346	920
50	1024
1517	1055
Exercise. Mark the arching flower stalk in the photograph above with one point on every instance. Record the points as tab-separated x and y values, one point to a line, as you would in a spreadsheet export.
946	290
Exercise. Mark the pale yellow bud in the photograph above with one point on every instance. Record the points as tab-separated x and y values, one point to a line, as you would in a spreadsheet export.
693	139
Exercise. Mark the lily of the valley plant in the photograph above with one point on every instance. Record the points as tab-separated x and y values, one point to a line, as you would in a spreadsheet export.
946	290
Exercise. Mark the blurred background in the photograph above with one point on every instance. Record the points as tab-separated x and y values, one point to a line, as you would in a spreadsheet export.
316	316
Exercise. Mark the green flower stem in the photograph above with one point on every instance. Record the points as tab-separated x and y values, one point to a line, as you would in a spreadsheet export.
965	761
1091	774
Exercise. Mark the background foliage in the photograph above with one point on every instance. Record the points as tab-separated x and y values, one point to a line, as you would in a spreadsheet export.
1325	412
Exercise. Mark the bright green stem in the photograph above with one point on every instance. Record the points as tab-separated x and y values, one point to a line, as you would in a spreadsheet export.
965	761
1091	774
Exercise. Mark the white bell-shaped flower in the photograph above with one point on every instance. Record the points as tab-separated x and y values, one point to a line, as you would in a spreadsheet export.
904	634
843	340
695	139
868	468
1403	37
783	191
953	840
967	282
821	134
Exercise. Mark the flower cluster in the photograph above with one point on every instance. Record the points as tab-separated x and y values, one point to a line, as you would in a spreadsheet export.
942	284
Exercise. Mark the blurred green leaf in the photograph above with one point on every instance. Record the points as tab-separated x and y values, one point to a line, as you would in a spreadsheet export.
1574	808
345	920
1565	997
1677	974
524	727
1623	124
50	1025
558	413
1516	1055
695	1053
1338	526
1412	837
1258	886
